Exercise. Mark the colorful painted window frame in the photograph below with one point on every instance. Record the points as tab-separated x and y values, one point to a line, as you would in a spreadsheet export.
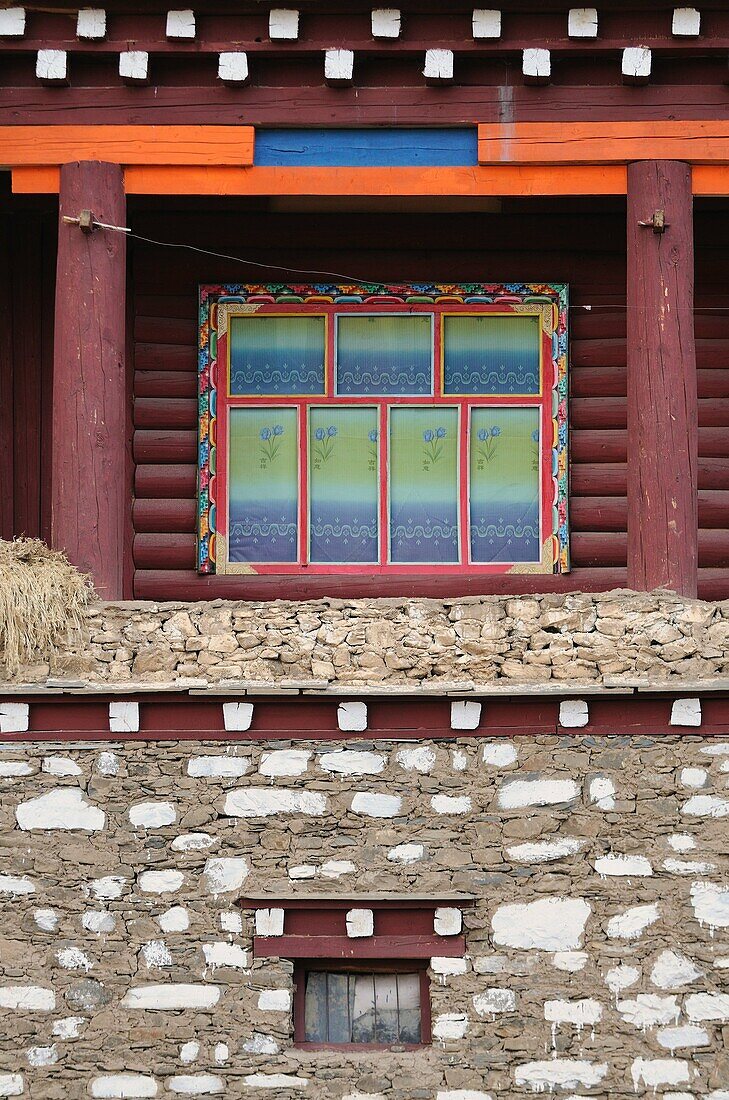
403	452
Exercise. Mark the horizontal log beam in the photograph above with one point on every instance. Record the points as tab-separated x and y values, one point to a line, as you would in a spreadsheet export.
698	141
36	146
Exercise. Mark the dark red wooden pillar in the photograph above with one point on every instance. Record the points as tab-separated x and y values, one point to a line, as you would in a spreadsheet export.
90	498
662	399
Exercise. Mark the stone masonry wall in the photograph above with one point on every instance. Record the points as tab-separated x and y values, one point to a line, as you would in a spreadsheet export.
596	953
593	638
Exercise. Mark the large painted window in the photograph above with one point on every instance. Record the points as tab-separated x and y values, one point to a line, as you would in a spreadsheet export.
383	429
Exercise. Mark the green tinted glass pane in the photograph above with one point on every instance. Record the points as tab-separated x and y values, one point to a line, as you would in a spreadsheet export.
276	356
504	485
343	485
384	354
491	354
423	471
263	485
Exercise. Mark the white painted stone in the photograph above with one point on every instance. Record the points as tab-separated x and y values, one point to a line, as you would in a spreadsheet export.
686	22
352	762
107	888
73	958
99	923
180	24
156	954
649	1010
360	923
339	69
62	808
189	1052
14	769
16	885
173	996
267	801
269	922
459	760
237	716
654	1072
450	1025
628	866
499	754
153	815
549	924
233	69
285	762
719	748
351	716
225	954
693	777
602	792
376	805
447	921
221	1053
486	23
107	763
516	793
582	23
27	998
175	919
465	714
461	1094
12	25
707	1006
60	765
260	1044
200	1084
710	904
46	919
41	1056
406	853
573	713
636	65
580	1014
447	967
192	842
274	1000
283	23
621	977
160	882
706	805
275	1081
386	23
123	1086
681	842
565	1073
438	65
15	717
688	867
335	868
543	851
633	922
570	961
451	804
123	716
686	712
302	871
91	24
419	758
218	767
689	1035
68	1028
494	1001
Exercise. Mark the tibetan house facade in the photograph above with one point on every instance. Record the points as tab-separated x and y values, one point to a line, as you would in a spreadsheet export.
374	363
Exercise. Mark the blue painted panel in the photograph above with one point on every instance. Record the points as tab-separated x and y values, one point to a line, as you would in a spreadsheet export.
366	148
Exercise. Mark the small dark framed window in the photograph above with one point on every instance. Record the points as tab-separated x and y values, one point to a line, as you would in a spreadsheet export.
374	1005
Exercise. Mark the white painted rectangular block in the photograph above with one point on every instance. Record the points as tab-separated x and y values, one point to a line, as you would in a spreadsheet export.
573	713
12	23
465	715
686	22
582	23
536	64
281	762
225	874
231	922
486	23
686	712
196	1084
338	66
237	716
265	801
51	66
233	69
360	923
274	1000
91	24
11	1084
447	921
172	996
62	808
217	767
636	64
352	716
14	717
119	1086
283	23
180	24
134	66
386	23
225	954
123	715
269	922
438	67
27	998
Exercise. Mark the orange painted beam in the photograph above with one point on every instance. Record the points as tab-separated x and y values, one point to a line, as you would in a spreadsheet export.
35	146
711	179
521	143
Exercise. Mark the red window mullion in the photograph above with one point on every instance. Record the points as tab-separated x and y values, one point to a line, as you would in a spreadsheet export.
303	484
464	433
384	483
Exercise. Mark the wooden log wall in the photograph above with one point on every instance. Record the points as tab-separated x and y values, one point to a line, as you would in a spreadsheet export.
577	242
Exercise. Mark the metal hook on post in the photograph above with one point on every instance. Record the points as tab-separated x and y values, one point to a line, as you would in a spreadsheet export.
657	222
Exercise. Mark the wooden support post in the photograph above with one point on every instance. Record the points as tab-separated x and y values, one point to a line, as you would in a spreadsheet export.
662	398
90	497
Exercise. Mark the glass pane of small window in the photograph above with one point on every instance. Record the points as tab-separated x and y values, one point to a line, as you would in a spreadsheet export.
276	356
343	485
362	1008
315	1008
423	471
504	485
408	998
384	354
263	485
492	353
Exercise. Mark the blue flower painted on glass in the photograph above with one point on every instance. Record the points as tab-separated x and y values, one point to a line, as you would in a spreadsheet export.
495	431
487	437
428	436
535	450
265	433
319	434
278	430
535	435
332	431
483	434
433	449
440	433
373	436
271	444
325	439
